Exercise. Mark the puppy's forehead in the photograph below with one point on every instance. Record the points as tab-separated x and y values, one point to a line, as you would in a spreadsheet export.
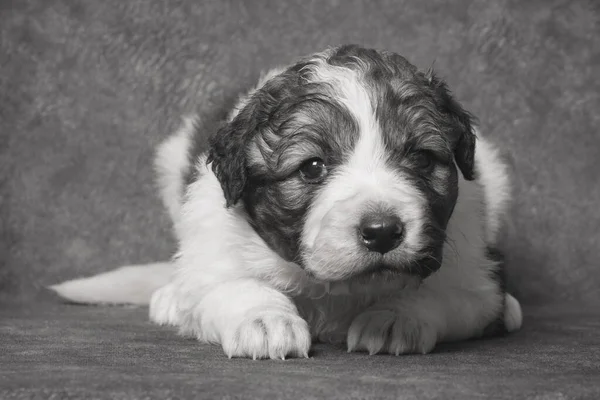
385	94
330	100
362	78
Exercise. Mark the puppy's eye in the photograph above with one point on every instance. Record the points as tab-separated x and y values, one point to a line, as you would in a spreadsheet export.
313	170
424	160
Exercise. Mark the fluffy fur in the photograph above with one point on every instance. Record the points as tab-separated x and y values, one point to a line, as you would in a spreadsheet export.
268	261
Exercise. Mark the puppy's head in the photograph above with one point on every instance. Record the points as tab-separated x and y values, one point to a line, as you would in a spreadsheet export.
346	163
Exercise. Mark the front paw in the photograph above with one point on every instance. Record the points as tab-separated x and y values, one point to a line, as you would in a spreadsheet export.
268	334
388	331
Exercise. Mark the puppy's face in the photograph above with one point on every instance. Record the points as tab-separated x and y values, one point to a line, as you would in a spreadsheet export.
346	164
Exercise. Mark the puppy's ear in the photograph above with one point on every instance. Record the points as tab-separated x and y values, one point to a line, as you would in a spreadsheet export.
227	154
461	126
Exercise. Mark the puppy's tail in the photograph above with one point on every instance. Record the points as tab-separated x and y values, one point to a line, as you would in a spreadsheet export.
132	284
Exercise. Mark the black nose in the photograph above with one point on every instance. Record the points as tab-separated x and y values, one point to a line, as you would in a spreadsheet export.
381	232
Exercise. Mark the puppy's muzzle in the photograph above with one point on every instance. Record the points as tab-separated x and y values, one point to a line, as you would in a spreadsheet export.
381	232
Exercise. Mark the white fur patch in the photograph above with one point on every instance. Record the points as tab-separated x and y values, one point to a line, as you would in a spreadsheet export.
493	172
172	163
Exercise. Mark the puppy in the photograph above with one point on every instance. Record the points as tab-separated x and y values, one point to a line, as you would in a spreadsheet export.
347	198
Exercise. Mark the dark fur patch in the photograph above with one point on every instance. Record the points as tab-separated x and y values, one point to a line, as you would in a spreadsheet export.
413	108
304	123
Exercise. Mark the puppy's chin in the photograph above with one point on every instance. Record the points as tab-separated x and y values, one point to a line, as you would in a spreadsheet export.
377	273
383	273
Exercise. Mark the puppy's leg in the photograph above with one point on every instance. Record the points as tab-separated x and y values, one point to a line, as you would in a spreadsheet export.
247	317
215	294
416	321
513	316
